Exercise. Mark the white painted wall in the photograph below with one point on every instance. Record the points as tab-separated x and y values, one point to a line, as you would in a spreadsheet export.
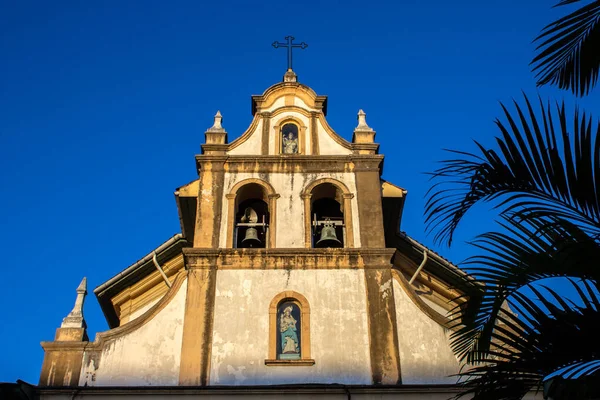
328	146
425	354
339	330
290	206
252	145
150	355
143	309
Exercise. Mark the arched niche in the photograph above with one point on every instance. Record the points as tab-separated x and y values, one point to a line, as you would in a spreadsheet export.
301	321
284	127
328	196
260	196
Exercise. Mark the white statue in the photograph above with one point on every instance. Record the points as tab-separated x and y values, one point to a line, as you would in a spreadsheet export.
290	144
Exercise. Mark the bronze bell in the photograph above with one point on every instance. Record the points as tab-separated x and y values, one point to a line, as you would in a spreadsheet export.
251	239
328	236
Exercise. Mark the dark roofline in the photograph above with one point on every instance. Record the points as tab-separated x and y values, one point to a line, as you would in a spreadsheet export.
134	273
301	389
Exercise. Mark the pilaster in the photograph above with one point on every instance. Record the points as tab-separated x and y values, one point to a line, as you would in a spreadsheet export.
198	321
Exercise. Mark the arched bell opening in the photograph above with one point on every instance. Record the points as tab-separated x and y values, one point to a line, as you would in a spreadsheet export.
251	217
327	217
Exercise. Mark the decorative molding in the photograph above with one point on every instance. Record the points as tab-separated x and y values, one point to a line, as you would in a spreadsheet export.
297	163
282	89
288	258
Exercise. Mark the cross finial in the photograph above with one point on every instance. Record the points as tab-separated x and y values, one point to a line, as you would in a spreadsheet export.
289	45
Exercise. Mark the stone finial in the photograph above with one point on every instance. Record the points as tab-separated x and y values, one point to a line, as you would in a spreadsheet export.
217	127
362	121
75	317
363	133
216	134
290	76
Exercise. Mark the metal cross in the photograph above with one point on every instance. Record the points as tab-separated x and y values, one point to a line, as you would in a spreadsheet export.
290	45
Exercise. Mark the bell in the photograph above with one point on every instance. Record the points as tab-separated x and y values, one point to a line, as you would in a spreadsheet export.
251	239
328	237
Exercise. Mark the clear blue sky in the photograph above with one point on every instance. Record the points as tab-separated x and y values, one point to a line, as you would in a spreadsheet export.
104	104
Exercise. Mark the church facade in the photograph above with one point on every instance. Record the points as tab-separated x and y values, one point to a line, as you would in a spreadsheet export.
289	276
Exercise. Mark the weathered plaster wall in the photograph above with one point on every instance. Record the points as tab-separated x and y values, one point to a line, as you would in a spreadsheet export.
328	146
425	354
290	206
143	309
150	355
252	146
443	311
339	332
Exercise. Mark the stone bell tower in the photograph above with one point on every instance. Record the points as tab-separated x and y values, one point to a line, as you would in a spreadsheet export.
290	272
289	206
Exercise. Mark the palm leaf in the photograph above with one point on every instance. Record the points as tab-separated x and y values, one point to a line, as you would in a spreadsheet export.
541	170
538	341
569	52
527	252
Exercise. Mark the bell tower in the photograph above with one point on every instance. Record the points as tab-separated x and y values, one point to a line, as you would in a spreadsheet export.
289	274
289	265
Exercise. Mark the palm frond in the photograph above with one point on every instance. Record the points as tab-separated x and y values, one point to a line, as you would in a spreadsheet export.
537	339
569	54
529	251
541	170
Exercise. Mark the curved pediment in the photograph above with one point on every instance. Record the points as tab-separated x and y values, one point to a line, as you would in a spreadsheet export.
288	119
286	94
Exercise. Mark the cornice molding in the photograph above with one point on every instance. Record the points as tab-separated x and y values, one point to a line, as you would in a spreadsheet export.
289	163
288	258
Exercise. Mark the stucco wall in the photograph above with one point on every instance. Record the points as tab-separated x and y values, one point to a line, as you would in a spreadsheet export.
328	146
150	355
290	206
425	354
339	332
143	309
252	146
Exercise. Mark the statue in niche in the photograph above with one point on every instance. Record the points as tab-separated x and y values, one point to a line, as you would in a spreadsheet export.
289	341
289	139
